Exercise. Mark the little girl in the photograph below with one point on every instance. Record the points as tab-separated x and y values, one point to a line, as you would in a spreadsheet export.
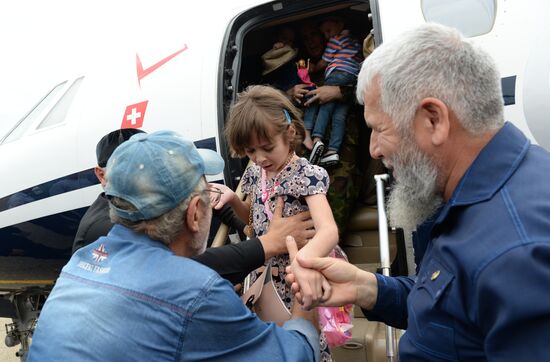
265	126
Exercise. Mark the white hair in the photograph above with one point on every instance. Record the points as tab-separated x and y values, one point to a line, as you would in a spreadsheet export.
435	61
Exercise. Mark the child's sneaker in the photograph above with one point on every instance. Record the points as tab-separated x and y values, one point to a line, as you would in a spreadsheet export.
316	152
329	160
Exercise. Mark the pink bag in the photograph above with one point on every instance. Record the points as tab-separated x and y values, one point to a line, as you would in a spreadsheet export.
335	322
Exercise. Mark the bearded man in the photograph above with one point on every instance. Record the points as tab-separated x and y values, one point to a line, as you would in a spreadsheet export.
476	192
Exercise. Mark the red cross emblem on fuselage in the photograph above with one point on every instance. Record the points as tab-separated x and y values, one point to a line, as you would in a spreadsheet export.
134	115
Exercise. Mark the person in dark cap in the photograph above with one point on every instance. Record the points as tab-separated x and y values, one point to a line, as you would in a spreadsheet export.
234	261
96	222
136	294
108	143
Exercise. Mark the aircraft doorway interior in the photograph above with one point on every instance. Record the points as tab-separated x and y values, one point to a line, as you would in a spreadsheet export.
249	57
264	46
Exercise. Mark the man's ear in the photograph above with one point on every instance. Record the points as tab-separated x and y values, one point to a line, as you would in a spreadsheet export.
193	214
100	174
434	119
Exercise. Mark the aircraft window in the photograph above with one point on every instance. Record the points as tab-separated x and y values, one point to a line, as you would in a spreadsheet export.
471	17
59	111
36	112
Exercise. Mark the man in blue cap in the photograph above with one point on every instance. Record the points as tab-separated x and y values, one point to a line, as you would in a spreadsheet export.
232	261
135	294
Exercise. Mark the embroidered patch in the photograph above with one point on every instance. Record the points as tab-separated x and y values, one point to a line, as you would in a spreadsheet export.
93	268
100	254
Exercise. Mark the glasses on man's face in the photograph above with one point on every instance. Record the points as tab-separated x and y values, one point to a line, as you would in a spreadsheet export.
215	195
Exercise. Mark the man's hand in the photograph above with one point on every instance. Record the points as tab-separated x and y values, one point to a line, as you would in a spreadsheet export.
323	94
297	92
349	284
299	226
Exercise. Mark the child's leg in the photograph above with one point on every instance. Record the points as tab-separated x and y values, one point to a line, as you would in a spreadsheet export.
331	157
338	118
308	142
309	120
338	129
323	117
334	78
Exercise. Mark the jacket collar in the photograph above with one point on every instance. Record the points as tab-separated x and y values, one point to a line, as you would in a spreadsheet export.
121	233
494	165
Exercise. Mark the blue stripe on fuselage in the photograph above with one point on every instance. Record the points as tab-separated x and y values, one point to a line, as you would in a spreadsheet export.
75	181
58	186
51	237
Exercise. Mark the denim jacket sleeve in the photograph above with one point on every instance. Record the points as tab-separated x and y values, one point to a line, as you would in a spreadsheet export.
221	328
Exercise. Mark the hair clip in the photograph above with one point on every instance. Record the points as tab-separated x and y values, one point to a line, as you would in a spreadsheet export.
287	115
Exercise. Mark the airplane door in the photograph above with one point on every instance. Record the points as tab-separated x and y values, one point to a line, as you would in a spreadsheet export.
390	18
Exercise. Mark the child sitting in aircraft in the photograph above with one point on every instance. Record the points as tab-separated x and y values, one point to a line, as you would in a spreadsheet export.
341	62
265	126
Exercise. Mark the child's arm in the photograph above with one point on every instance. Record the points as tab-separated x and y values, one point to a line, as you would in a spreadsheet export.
326	231
313	285
240	207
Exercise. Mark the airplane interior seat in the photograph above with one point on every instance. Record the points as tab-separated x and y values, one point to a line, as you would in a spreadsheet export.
368	343
361	242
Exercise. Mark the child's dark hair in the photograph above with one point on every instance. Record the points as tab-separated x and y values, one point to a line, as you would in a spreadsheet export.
258	111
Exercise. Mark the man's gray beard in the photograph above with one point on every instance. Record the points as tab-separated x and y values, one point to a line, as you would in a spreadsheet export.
415	195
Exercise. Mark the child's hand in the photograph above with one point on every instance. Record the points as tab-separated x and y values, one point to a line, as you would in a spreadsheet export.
314	288
226	196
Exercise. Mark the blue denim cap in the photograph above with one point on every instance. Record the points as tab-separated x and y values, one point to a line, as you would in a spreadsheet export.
155	172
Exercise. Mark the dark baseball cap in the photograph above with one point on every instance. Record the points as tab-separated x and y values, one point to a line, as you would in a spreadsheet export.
108	143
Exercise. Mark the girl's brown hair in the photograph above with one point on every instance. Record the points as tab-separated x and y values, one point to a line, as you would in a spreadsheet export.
258	111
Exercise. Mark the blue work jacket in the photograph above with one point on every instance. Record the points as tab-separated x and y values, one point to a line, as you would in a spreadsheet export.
482	291
126	297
